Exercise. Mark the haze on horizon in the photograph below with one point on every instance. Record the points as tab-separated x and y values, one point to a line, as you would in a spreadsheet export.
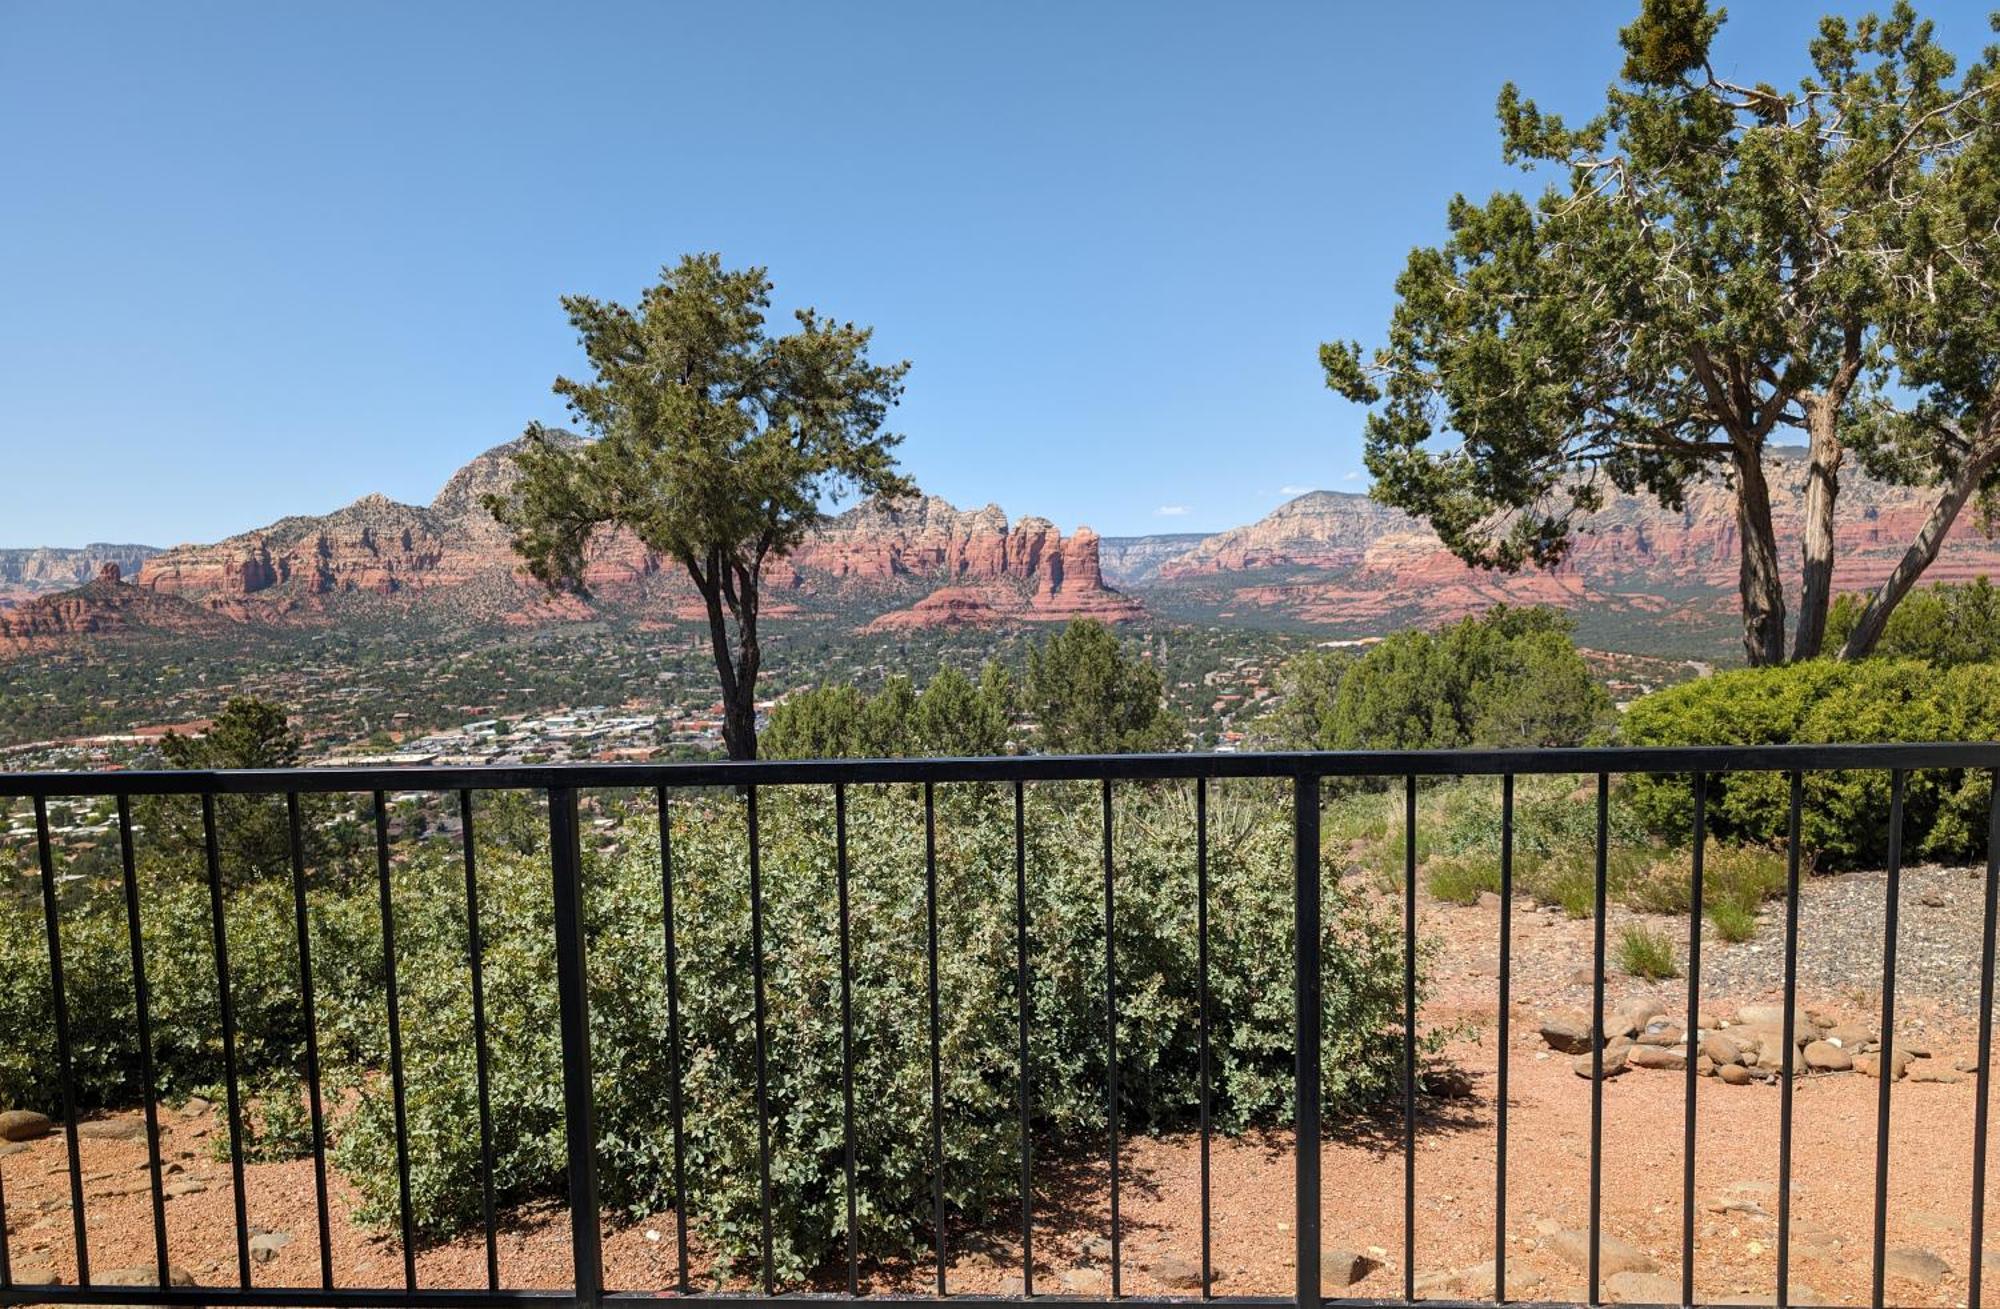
262	261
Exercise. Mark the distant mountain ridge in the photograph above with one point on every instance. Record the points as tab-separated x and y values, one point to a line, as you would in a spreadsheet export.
40	570
1326	559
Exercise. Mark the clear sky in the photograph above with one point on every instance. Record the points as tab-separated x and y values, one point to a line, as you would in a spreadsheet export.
262	259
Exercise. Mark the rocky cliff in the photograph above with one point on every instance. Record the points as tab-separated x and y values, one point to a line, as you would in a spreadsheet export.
107	605
886	560
1332	557
41	570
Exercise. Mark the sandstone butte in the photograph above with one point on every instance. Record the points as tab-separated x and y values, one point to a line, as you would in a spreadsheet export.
1333	557
104	606
1323	558
919	563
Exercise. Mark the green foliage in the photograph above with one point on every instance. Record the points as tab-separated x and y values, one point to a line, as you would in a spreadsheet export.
1712	259
1511	676
717	445
1088	695
953	717
1645	952
1733	920
1944	625
253	833
1308	694
1845	815
1250	870
1461	879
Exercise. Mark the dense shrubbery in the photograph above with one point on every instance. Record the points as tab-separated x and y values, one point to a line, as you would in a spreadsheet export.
952	716
1846	816
1251	953
1508	677
1084	693
1944	625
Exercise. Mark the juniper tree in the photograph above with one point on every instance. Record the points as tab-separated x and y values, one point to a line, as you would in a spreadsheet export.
716	445
1714	264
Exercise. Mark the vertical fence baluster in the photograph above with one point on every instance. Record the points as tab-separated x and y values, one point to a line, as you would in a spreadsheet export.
1791	1045
673	1035
475	951
1111	1038
1201	983
52	918
1409	1038
937	1061
846	1038
573	995
1597	1028
1024	1008
1885	1054
315	1104
1693	1035
394	1006
227	1002
1307	1017
763	1042
1506	1018
1972	1276
143	1002
6	1259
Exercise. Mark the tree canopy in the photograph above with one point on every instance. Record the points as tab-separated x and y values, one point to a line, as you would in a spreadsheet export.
952	716
1089	695
717	444
1508	677
1716	261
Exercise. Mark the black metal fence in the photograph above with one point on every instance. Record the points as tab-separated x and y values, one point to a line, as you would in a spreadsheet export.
1305	772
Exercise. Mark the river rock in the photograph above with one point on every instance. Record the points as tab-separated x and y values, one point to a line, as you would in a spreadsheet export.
1340	1268
1915	1263
1567	1032
24	1125
1615	1256
1826	1057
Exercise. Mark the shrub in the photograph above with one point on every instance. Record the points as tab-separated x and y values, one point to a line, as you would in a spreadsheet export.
1644	952
1733	920
1461	879
1250	866
1945	625
1508	677
1845	816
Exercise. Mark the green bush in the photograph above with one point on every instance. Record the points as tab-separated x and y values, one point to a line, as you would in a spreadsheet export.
1944	625
1644	952
1845	817
1732	919
1461	879
1250	867
1511	676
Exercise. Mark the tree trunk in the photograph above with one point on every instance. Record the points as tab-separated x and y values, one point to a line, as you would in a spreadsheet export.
1923	550
1758	580
739	693
1823	458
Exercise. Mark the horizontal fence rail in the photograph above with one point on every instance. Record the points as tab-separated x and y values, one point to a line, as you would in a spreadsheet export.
560	785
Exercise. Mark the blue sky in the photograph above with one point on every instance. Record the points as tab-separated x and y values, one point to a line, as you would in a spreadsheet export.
263	259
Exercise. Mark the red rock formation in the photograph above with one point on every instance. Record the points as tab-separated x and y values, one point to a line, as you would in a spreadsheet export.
105	607
873	556
1329	557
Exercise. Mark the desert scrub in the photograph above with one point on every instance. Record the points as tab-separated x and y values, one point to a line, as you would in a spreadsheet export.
1461	879
1250	917
1732	920
1644	952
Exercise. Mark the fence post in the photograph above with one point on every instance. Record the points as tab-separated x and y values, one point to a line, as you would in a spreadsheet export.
566	865
1306	1036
